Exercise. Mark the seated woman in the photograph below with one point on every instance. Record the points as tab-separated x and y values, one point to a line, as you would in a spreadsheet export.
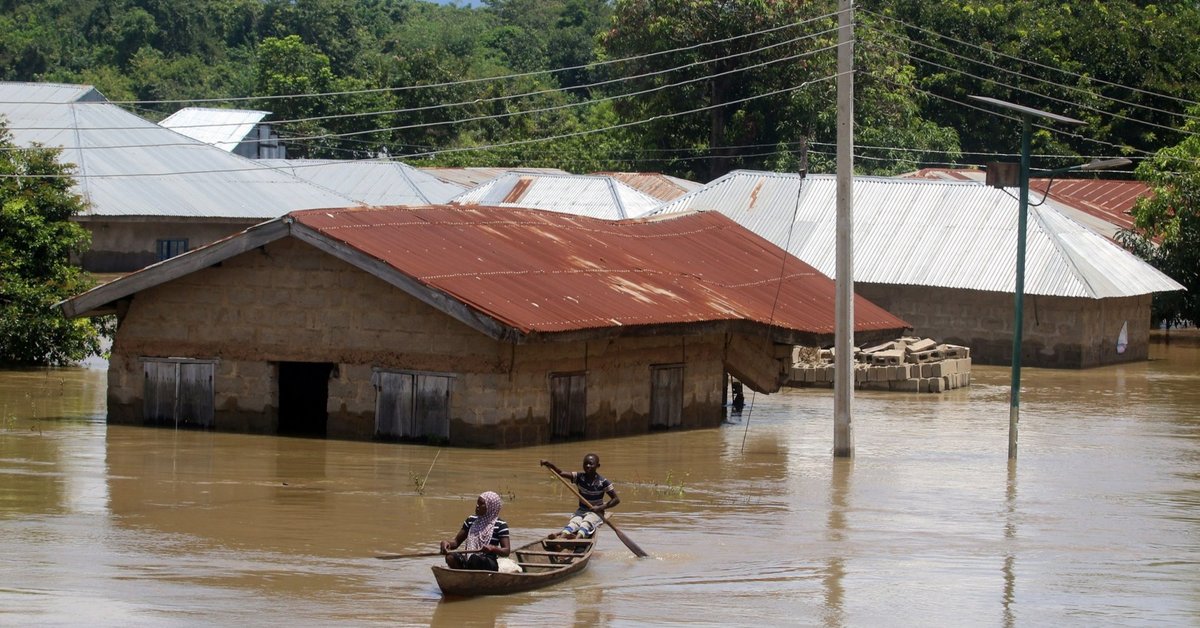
485	535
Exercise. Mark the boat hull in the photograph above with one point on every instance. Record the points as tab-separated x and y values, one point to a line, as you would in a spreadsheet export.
543	562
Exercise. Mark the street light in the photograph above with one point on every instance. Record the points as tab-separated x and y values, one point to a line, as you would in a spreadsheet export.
1027	115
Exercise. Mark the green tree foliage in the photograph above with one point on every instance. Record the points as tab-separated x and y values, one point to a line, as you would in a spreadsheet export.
36	240
1167	224
1072	58
1104	61
770	84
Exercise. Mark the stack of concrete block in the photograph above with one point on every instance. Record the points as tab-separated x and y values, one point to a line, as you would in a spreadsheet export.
906	364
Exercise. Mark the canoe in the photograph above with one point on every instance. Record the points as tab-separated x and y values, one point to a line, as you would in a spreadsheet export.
543	563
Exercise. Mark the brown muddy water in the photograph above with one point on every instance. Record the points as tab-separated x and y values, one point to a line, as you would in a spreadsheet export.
751	524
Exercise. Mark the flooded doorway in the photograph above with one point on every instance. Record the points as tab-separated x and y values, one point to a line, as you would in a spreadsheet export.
304	398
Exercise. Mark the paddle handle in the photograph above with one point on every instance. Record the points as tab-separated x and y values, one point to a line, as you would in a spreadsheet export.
418	555
633	547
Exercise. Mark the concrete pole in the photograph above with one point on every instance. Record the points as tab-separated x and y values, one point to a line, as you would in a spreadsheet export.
843	379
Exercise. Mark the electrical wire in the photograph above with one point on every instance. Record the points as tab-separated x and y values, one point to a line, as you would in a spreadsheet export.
1030	62
494	78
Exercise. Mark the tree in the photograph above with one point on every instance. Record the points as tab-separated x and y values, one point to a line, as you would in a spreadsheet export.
1167	225
36	240
768	85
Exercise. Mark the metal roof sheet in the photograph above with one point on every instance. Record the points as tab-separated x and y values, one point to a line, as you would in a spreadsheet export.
1102	205
1106	204
545	272
929	233
469	177
524	272
375	182
660	186
578	194
223	128
129	166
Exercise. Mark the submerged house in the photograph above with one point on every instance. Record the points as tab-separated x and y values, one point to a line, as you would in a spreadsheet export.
469	325
942	255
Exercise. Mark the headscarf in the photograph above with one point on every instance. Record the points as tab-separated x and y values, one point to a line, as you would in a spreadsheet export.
480	534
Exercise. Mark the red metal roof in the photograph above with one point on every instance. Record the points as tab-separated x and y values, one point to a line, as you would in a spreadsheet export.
1109	200
546	272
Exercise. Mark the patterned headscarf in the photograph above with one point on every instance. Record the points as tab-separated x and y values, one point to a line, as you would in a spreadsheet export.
480	533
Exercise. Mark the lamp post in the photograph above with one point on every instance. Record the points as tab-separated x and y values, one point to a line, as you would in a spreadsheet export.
1027	115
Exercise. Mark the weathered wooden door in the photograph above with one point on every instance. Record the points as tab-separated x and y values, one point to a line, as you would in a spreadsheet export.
568	405
412	405
666	396
196	394
178	392
433	406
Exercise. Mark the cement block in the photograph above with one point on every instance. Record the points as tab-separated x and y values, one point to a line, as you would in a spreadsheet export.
906	385
931	355
891	356
937	384
918	346
887	346
954	351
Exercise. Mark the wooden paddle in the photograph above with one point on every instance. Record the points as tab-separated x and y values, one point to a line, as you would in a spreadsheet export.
633	547
417	555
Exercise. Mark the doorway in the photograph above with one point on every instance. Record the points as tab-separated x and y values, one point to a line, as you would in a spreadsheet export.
304	398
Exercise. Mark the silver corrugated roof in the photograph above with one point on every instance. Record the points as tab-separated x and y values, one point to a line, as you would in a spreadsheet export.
129	166
470	176
375	182
578	194
223	128
929	233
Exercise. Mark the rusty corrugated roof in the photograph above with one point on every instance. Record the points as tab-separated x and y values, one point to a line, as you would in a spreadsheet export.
660	186
546	272
1109	200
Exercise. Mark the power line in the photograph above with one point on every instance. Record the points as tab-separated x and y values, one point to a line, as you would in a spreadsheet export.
1030	77
508	114
1124	149
1029	91
1030	62
470	148
488	79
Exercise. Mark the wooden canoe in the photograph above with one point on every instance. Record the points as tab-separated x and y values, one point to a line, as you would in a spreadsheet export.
543	563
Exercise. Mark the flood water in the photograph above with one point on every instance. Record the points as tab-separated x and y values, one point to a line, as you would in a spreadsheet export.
753	524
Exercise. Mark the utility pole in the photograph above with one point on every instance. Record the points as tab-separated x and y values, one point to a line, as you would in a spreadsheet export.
843	377
1027	115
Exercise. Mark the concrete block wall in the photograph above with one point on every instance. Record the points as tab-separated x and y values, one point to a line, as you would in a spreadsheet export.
1058	332
127	245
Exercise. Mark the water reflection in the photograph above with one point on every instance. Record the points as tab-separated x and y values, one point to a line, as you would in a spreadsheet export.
751	523
835	569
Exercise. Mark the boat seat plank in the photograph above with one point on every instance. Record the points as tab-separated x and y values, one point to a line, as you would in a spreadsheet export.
537	553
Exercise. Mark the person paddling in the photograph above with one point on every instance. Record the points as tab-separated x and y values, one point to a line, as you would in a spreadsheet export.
592	488
484	536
